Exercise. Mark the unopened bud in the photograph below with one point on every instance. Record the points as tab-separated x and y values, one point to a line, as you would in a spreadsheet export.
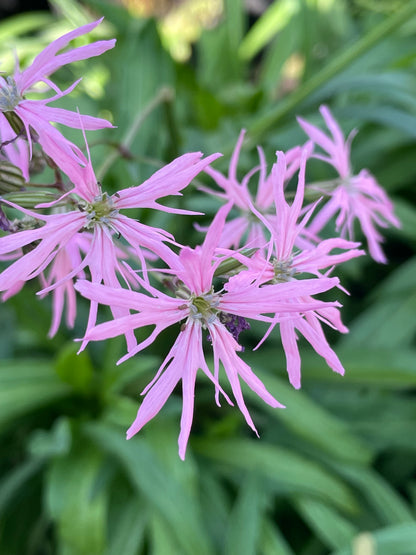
11	178
30	199
231	266
37	163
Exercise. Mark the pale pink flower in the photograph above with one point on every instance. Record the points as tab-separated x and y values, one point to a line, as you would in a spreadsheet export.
66	259
200	307
97	218
287	262
249	227
355	196
36	114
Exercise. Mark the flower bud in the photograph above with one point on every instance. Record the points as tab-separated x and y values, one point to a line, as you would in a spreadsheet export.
30	199
11	178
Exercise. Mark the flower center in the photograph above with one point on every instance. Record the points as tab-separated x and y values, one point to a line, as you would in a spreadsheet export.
204	307
283	270
100	211
9	95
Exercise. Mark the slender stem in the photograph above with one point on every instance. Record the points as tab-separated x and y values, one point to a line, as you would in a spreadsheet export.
338	64
164	95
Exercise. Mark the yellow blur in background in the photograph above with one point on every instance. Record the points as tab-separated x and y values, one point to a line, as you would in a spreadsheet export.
180	22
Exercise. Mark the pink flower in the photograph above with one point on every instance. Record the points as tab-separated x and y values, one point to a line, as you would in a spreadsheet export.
97	220
249	227
200	307
36	114
287	263
356	196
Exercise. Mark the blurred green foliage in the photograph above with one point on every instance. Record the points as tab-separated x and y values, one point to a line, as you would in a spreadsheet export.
334	473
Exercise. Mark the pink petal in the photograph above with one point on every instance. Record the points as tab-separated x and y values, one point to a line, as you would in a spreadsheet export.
46	62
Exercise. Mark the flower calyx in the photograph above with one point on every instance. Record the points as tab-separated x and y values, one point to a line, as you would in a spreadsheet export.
283	270
9	94
204	308
100	211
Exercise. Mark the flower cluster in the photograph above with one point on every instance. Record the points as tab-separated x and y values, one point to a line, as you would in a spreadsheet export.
263	256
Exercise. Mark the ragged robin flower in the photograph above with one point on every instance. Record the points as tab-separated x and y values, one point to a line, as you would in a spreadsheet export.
289	264
248	228
198	307
31	119
352	197
95	217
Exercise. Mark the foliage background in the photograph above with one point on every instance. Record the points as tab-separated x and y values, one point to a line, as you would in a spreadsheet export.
334	472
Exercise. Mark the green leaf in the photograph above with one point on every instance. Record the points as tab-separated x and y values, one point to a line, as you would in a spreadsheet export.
286	471
178	509
74	369
138	86
330	527
15	480
72	502
162	538
162	436
26	385
117	14
119	410
381	368
215	504
117	377
23	23
57	441
396	86
273	20
395	540
406	213
307	419
384	115
128	527
284	45
72	11
388	324
244	523
272	541
384	501
398	283
348	54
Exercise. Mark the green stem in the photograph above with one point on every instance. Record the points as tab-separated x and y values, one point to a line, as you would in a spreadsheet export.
165	95
338	64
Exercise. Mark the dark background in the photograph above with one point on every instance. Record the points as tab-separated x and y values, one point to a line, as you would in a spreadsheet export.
10	7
